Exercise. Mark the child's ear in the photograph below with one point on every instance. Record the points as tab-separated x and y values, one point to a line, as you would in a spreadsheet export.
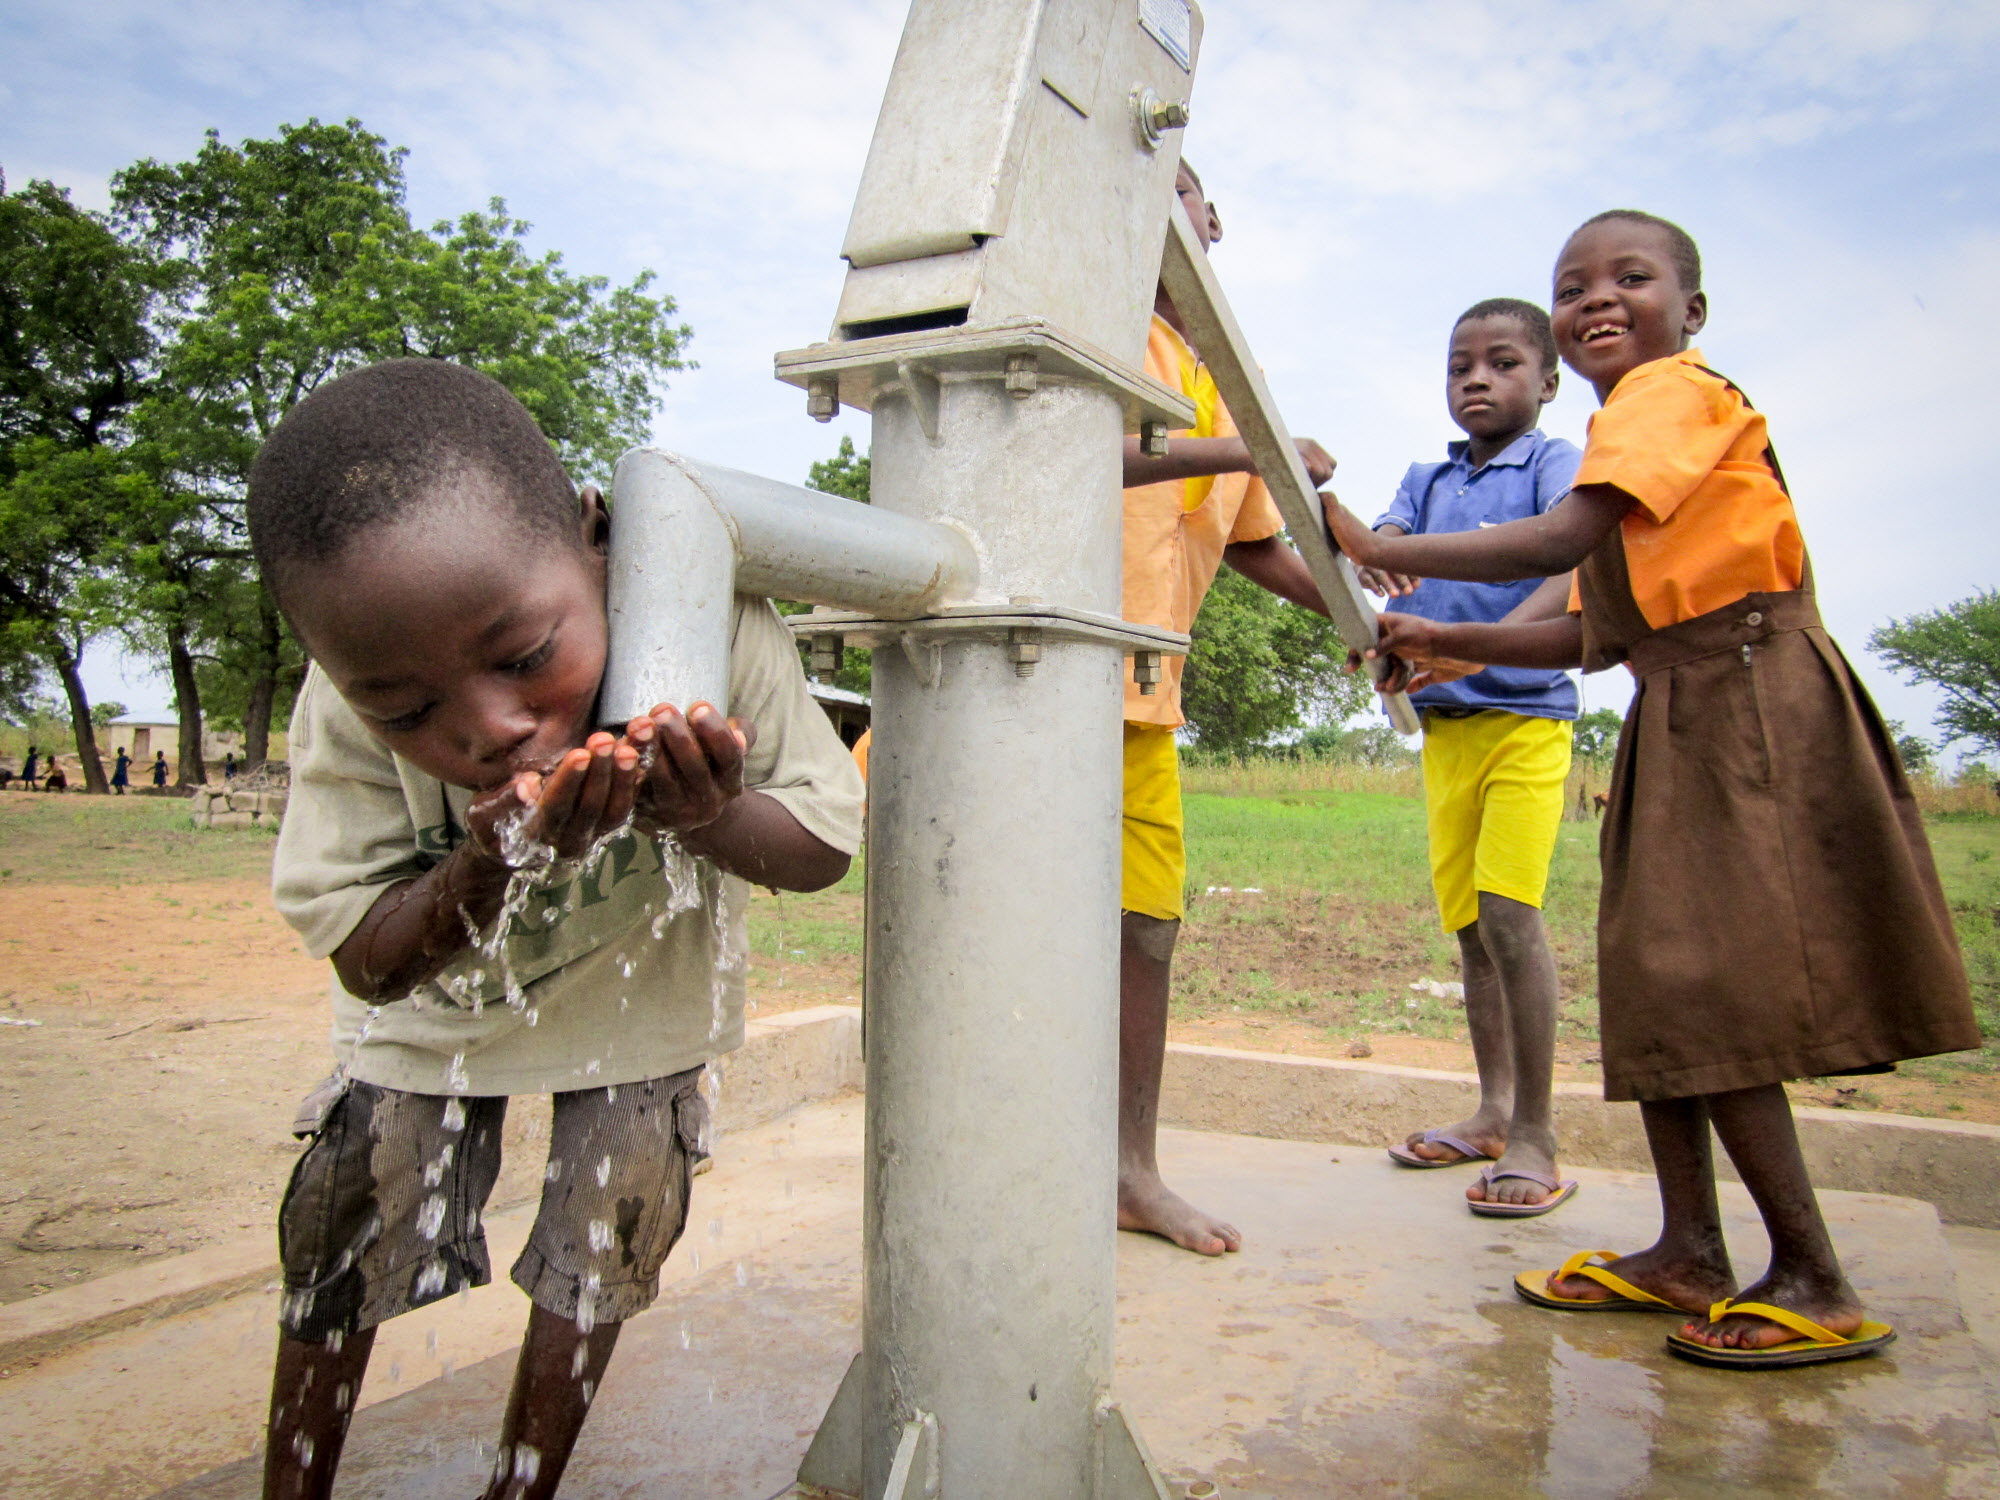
594	519
1696	316
1551	383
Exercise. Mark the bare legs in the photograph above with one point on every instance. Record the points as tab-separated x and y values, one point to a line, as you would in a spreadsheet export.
315	1385
1145	973
554	1382
1689	1265
1510	1009
313	1391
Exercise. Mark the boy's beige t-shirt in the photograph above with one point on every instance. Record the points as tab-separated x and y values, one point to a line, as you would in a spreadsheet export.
621	971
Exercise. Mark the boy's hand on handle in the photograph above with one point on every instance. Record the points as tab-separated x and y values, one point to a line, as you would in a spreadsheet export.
1347	534
1388	585
697	768
1319	463
587	793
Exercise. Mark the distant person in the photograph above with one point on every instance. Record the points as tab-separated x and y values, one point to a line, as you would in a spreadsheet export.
121	772
1496	757
446	756
229	766
1185	515
160	768
30	766
1770	908
56	781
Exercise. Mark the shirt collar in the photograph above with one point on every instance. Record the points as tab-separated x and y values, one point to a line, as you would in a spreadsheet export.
1516	453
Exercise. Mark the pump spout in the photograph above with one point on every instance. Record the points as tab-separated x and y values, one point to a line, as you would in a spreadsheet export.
686	538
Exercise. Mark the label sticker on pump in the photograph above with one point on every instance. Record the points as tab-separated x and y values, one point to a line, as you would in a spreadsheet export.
1171	24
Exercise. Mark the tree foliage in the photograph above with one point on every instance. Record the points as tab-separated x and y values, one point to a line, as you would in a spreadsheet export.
1258	667
1955	649
1595	740
145	355
76	345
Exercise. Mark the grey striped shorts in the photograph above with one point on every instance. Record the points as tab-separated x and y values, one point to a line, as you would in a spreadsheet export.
383	1212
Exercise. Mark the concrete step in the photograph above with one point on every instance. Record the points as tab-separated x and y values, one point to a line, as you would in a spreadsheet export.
1366	1341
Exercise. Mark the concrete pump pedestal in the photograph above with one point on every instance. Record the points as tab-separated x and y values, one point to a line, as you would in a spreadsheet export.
1365	1342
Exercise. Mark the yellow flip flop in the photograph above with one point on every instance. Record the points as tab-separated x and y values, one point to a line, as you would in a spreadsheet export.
1533	1286
1814	1346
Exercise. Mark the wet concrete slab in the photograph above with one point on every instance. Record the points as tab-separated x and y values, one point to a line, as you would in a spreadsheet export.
1365	1342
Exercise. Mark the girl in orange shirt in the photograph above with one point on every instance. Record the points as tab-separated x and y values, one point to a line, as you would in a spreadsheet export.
1770	909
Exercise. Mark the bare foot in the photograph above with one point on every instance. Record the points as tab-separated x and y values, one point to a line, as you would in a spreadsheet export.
1490	1138
1147	1204
1833	1305
1519	1157
1695	1283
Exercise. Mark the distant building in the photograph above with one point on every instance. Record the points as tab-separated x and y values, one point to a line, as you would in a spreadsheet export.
847	710
144	738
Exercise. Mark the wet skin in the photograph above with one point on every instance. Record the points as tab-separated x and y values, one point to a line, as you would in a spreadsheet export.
476	654
1618	304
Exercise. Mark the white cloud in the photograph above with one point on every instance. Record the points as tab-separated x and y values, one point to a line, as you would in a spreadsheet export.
1380	167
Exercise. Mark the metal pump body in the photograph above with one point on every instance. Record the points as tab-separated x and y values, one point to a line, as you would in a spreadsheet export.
1005	245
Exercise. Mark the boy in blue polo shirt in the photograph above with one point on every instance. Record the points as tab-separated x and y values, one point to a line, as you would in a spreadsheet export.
1496	755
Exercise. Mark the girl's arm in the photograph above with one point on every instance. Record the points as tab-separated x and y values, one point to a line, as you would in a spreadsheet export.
1550	644
1538	632
1537	547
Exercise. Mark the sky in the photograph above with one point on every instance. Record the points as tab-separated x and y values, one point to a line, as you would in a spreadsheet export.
1378	168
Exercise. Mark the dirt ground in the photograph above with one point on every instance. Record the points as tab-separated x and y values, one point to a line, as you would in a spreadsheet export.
158	1024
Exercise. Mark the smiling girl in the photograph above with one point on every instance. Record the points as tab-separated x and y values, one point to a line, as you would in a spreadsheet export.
1770	909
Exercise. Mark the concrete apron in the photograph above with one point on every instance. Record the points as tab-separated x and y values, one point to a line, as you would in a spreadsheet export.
1365	1341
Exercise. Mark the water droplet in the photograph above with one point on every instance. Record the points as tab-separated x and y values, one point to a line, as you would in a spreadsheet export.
430	1219
742	1274
687	1340
604	1171
528	1460
715	1229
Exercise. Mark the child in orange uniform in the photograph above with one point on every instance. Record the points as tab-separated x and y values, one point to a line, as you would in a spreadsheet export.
1770	908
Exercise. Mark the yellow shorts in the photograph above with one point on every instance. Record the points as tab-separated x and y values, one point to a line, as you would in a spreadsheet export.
1155	851
1493	785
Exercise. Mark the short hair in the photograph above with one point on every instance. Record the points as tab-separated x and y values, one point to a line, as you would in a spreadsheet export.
1681	248
1188	167
1532	319
376	445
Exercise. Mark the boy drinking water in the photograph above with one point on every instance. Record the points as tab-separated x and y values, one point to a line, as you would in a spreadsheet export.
1496	754
1770	909
512	902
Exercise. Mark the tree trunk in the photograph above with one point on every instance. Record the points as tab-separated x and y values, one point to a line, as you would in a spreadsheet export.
187	706
68	665
263	681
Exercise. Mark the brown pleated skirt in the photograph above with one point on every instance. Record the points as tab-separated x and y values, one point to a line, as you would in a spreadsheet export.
1770	909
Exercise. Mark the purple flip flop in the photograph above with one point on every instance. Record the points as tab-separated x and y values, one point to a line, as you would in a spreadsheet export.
1403	1156
1559	1194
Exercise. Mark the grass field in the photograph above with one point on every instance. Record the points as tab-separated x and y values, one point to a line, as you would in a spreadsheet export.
1310	916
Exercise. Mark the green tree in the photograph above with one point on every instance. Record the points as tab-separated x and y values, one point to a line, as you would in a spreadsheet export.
101	714
295	260
1596	737
1918	754
75	346
1258	667
1956	650
846	473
